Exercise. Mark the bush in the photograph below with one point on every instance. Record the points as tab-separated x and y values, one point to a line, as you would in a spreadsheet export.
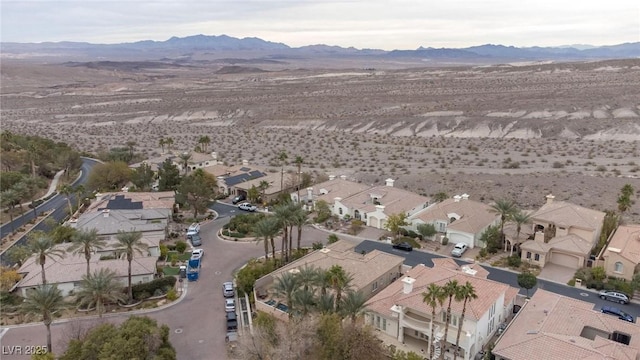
143	291
572	282
317	245
514	261
163	251
445	240
483	253
332	238
181	246
172	294
171	247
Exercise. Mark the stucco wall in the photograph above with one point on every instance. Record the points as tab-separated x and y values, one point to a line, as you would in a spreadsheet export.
610	259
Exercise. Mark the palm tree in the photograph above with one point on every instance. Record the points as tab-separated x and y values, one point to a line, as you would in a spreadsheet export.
168	141
79	191
340	281
450	289
505	208
43	247
162	142
131	145
9	198
267	229
465	293
283	159
304	300
45	300
286	285
131	241
204	141
520	218
308	276
434	296
67	190
84	242
99	288
325	303
283	214
299	160
352	305
299	218
184	160
264	184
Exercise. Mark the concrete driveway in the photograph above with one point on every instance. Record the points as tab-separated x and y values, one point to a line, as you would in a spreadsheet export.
557	273
197	323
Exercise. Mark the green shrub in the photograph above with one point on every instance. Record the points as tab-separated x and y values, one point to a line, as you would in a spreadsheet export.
172	294
171	247
181	246
483	253
143	291
332	238
572	282
317	245
514	261
445	240
163	251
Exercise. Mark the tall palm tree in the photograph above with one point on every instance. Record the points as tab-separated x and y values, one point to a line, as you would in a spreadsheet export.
44	300
450	289
505	208
340	281
283	214
132	243
299	160
43	247
325	303
184	160
131	144
9	199
283	160
204	141
84	242
465	293
67	190
264	184
99	288
520	218
267	229
79	191
286	285
353	305
299	218
433	297
162	142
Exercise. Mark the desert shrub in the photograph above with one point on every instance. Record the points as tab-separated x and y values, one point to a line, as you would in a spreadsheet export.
163	251
144	291
332	238
181	246
172	294
572	282
557	165
514	261
483	253
317	245
445	240
583	274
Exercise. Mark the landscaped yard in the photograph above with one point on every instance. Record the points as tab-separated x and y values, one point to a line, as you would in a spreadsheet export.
168	270
179	257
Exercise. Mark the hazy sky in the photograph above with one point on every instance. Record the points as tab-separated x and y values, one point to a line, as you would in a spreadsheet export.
380	24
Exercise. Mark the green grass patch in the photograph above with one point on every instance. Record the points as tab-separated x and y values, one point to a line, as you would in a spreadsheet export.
168	270
180	257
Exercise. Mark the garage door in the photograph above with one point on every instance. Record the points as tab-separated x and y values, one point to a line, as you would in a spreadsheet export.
565	260
374	222
455	238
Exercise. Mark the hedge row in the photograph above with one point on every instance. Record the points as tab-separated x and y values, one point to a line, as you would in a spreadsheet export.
146	290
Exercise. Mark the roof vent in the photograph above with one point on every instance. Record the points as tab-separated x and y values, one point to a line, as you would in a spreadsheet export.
325	250
532	332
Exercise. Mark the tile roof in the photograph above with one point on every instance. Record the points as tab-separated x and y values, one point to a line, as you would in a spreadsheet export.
550	326
536	246
571	243
626	243
71	267
272	178
243	177
488	292
331	189
474	216
364	268
148	200
112	221
567	214
394	200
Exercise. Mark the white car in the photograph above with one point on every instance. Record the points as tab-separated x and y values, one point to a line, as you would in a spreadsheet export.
229	305
197	253
247	207
459	249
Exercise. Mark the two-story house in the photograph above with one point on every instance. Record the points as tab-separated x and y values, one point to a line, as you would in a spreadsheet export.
460	219
621	257
564	234
398	312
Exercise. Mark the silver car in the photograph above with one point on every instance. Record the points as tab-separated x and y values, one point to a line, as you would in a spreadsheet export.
459	249
614	296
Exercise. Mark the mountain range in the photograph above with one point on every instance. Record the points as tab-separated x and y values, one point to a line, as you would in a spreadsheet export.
253	47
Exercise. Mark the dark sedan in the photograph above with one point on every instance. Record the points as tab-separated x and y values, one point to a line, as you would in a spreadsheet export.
403	246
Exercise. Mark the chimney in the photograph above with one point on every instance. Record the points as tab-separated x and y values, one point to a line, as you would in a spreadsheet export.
309	193
343	177
245	162
105	213
389	182
332	177
465	196
407	285
457	198
550	198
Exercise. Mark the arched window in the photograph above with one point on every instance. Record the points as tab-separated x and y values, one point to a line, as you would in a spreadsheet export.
618	267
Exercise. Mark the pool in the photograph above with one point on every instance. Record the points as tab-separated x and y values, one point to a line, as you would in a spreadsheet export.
270	302
282	307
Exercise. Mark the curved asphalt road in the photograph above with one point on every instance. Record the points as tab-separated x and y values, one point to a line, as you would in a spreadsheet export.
58	203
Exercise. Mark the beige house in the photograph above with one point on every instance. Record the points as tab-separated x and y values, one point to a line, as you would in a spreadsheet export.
132	201
371	273
231	178
399	313
551	326
335	187
621	257
460	219
67	272
564	234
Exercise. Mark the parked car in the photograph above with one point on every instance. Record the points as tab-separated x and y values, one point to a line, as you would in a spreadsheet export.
232	336
238	198
193	229
195	240
197	253
614	296
403	246
459	249
229	304
247	207
227	289
232	321
617	312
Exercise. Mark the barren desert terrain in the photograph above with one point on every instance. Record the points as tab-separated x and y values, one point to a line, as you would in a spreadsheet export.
517	131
